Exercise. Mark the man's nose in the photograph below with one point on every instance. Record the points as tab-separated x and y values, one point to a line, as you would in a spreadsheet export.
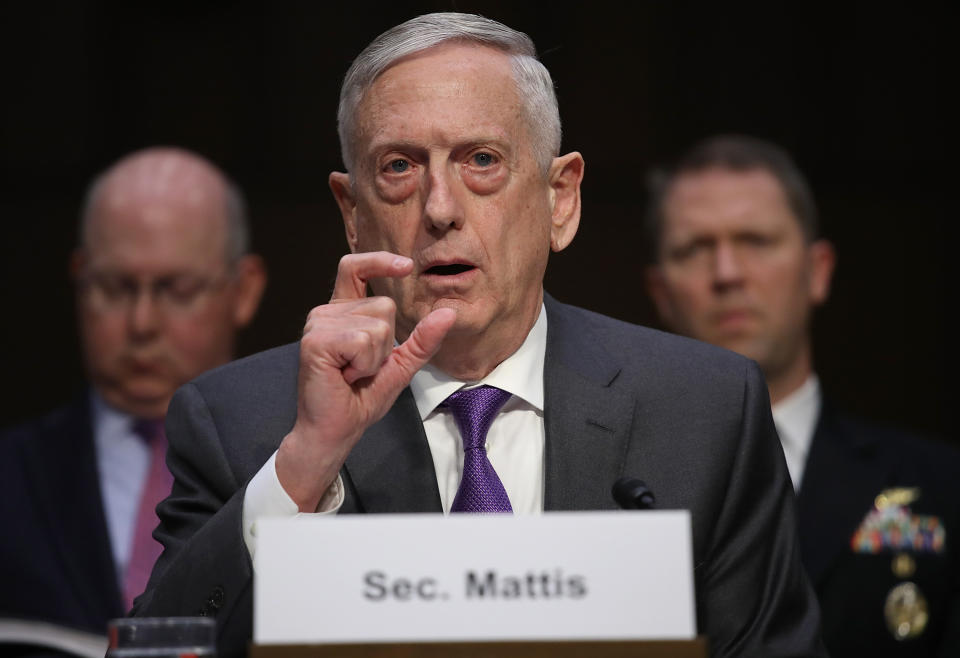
144	313
727	268
442	209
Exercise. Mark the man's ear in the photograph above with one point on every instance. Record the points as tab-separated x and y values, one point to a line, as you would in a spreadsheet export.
657	290
343	193
823	260
566	172
251	279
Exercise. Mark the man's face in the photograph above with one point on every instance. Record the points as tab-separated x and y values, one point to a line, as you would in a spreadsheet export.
445	174
734	267
157	304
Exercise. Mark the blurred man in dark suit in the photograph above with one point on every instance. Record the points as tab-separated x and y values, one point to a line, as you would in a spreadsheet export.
738	263
163	282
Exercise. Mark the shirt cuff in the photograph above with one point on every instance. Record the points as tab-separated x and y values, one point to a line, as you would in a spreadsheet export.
265	497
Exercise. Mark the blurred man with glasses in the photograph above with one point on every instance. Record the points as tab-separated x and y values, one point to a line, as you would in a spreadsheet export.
163	283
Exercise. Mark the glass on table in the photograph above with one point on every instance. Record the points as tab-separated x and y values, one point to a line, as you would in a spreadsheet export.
162	637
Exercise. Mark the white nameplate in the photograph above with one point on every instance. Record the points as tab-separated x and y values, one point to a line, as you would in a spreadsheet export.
421	578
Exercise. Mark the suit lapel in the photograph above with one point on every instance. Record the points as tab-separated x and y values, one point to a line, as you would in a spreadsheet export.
62	464
391	469
840	481
587	424
587	419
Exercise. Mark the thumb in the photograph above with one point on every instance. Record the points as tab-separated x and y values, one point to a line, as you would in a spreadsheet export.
422	343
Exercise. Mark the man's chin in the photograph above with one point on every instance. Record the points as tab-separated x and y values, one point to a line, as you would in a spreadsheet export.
746	344
142	400
468	320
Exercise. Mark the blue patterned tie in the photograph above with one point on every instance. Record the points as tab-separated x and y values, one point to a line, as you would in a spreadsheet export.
480	488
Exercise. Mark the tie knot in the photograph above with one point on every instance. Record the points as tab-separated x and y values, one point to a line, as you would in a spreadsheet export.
148	429
474	410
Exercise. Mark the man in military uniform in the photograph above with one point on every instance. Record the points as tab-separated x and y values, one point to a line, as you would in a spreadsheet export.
738	263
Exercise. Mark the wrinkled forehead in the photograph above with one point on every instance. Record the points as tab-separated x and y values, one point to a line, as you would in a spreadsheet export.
719	197
462	76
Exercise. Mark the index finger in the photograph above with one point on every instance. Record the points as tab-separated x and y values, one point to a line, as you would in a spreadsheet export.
356	269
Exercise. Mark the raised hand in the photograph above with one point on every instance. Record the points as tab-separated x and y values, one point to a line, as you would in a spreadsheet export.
350	373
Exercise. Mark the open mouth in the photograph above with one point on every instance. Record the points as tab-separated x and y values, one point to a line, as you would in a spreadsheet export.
449	270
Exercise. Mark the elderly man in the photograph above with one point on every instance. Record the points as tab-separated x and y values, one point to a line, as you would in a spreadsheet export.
163	283
454	199
738	263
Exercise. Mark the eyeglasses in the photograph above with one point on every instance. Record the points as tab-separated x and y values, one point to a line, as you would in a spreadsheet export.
109	292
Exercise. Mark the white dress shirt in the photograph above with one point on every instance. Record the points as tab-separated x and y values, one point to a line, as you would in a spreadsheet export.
123	463
795	417
515	441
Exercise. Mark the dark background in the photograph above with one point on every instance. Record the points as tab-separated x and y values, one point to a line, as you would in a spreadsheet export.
852	91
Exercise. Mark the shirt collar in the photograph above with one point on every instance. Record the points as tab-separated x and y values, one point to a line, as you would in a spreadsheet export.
795	416
108	423
520	374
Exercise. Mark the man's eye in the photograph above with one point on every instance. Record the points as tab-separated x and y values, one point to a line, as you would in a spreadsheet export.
686	251
756	240
179	290
399	165
483	159
114	287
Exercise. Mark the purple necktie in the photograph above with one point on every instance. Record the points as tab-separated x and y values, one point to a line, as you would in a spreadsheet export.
146	549
480	488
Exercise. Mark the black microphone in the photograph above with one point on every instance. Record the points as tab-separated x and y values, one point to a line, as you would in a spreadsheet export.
631	493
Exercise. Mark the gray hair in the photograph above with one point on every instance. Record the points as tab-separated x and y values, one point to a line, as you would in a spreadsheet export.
534	84
235	206
736	153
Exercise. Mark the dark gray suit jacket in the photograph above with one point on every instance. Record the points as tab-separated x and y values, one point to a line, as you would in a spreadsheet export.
692	420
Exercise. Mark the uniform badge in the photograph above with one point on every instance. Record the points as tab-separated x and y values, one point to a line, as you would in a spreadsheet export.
891	526
906	611
899	496
903	565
